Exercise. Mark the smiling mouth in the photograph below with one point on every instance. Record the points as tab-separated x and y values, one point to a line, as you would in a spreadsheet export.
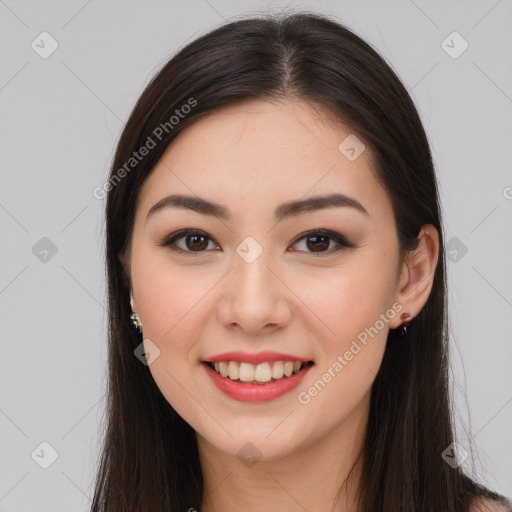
263	373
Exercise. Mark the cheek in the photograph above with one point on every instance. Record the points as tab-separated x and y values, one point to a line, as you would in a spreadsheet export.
169	296
346	302
166	307
350	307
351	349
170	302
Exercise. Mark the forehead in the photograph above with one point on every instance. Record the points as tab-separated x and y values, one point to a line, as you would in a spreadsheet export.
265	151
257	128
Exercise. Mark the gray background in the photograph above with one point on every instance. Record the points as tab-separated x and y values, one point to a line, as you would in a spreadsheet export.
60	119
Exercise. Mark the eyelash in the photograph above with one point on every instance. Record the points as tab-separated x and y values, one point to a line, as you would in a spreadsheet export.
342	242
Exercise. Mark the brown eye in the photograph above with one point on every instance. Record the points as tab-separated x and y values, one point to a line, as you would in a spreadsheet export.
195	241
319	242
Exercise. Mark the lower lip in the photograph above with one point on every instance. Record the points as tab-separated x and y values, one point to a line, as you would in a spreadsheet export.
244	392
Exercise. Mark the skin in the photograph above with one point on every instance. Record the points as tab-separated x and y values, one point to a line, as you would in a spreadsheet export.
251	157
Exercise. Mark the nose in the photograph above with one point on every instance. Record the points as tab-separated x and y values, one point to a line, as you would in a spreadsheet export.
254	297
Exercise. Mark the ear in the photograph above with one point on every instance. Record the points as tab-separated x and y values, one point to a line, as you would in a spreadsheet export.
417	275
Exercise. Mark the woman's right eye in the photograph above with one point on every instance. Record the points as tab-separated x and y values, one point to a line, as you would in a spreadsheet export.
194	241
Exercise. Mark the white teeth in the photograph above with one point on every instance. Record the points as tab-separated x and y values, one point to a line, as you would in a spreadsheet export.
246	372
263	372
288	368
277	370
233	370
223	369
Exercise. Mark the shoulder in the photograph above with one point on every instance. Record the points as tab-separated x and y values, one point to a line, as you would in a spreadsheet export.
487	505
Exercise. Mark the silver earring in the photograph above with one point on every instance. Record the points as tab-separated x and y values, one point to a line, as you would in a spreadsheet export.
136	321
135	316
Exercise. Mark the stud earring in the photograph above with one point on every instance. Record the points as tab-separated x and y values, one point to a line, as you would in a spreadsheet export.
135	316
136	321
402	328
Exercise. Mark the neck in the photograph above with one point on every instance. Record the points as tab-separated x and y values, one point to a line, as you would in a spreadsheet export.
313	477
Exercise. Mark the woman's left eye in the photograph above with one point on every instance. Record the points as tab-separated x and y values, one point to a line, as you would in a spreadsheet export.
318	241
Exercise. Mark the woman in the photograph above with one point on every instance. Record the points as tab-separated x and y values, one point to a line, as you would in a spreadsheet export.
274	234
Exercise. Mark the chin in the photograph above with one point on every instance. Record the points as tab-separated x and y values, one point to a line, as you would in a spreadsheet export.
256	446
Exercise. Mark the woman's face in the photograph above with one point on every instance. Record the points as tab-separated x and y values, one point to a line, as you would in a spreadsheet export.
254	282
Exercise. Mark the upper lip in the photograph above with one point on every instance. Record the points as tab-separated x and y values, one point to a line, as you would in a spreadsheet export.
260	357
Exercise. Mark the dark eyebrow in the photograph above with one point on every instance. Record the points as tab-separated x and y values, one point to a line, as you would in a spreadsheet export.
283	211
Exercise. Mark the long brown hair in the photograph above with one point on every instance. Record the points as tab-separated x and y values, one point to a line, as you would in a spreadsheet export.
149	459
